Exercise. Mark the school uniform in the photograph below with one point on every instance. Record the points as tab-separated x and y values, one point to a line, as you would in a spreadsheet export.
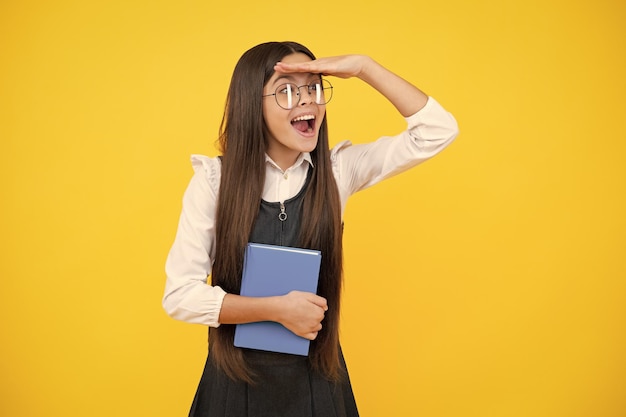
288	387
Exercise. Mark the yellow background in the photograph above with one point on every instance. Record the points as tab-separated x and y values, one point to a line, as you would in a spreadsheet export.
489	281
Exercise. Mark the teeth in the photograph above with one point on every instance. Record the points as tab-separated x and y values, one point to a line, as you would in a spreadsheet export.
304	117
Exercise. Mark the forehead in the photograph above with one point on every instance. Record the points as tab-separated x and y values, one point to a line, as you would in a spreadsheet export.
296	58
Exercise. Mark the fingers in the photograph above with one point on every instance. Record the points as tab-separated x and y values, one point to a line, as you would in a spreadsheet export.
344	66
318	66
314	331
313	335
304	313
319	301
297	67
312	298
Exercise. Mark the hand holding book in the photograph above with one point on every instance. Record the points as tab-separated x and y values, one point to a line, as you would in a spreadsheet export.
302	313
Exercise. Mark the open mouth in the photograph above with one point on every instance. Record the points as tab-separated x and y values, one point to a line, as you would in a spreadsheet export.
304	123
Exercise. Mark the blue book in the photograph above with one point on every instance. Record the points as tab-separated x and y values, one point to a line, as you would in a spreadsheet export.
270	270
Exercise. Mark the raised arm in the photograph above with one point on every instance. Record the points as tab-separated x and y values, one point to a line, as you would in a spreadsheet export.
407	98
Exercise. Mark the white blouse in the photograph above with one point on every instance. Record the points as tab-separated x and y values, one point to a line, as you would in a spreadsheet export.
189	297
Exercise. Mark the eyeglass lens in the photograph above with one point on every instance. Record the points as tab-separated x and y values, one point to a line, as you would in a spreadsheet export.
288	95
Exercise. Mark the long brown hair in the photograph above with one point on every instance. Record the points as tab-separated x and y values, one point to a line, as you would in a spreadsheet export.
242	142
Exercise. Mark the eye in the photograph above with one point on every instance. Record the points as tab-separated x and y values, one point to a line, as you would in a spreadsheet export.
286	89
315	86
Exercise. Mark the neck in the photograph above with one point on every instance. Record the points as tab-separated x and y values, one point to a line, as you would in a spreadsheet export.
284	161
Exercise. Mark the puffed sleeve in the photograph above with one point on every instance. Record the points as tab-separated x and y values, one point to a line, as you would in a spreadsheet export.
188	296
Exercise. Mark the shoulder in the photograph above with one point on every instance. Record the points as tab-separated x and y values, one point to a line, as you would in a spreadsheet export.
338	149
208	169
207	175
206	163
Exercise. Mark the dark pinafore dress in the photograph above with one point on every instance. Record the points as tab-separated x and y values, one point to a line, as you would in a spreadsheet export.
285	386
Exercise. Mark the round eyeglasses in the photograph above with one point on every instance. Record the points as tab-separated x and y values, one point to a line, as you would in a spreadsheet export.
288	95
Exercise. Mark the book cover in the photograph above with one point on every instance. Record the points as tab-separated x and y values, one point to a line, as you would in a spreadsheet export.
271	270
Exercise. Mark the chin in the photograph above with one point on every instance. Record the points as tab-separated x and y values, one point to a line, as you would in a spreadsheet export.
310	147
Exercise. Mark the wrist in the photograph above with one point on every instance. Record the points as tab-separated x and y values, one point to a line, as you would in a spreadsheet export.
274	308
368	67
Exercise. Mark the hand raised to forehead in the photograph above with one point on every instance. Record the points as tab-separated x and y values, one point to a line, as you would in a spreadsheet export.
344	66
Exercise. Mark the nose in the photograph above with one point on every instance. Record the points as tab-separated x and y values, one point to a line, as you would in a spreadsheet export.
305	95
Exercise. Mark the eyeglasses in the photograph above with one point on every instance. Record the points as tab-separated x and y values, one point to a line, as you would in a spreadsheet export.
288	95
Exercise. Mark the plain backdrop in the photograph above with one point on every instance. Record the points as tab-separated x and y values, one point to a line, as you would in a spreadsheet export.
487	282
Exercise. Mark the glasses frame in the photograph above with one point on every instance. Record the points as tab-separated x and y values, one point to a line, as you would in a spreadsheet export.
322	80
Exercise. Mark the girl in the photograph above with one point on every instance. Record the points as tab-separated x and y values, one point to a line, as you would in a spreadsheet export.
277	182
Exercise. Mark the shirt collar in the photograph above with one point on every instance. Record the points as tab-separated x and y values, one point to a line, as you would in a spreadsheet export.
302	158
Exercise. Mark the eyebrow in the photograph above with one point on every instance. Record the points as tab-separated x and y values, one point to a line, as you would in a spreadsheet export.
291	78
